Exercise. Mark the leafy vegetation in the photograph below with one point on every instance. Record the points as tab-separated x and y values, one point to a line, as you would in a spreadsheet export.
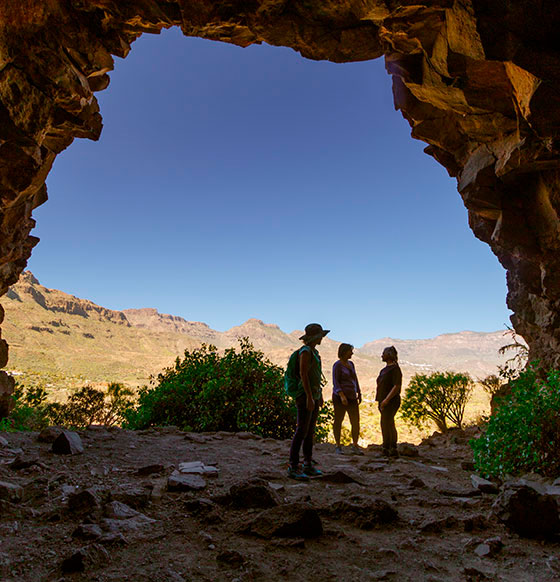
524	433
32	411
440	397
237	391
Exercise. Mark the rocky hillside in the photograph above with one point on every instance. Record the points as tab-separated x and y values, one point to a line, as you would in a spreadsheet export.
166	506
62	336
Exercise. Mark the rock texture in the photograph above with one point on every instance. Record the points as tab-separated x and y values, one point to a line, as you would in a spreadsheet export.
478	80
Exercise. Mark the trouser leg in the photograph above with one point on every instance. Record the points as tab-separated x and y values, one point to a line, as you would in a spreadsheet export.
339	414
388	428
302	427
310	435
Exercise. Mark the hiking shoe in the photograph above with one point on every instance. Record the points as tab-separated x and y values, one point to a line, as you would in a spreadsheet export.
297	473
311	471
338	451
356	450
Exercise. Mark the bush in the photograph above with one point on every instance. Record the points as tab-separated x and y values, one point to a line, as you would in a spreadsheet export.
524	433
440	397
86	406
29	412
92	406
491	384
236	391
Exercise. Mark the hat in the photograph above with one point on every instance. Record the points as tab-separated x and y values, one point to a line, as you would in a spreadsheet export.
313	331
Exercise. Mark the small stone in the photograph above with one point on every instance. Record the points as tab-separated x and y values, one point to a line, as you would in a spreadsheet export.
417	483
484	485
3	442
179	482
118	510
252	493
246	436
276	486
230	558
84	558
458	492
11	492
198	468
21	462
49	434
67	443
150	470
137	497
338	477
407	450
87	531
84	501
438	525
290	520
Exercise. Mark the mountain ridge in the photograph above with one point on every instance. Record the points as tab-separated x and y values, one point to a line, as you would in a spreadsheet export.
51	331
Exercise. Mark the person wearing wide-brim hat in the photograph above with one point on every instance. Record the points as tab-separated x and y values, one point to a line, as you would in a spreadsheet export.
309	400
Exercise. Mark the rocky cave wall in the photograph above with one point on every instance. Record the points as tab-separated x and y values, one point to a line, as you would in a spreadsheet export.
478	81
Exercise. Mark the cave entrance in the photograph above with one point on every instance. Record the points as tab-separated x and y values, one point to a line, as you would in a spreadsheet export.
217	165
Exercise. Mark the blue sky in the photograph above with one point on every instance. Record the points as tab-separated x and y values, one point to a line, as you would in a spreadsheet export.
232	183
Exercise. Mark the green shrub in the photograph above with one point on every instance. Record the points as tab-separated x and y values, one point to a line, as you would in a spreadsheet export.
524	433
92	406
30	410
236	391
440	397
87	406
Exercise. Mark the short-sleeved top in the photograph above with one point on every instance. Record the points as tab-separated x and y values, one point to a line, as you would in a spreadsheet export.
388	377
315	373
345	380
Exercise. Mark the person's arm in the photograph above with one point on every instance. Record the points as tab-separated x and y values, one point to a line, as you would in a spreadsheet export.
396	389
358	389
337	389
304	366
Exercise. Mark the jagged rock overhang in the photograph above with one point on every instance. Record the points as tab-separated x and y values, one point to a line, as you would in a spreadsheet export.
478	81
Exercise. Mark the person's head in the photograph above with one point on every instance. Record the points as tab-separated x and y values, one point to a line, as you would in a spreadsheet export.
313	335
390	355
345	351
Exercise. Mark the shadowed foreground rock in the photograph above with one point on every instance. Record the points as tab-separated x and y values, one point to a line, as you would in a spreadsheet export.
291	520
478	81
527	510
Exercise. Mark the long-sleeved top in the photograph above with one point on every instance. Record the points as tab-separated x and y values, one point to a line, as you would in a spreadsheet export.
345	380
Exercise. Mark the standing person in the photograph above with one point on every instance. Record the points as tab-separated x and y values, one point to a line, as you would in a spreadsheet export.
346	397
309	399
388	395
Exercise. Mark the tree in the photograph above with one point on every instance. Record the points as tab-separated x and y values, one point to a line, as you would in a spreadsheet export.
440	397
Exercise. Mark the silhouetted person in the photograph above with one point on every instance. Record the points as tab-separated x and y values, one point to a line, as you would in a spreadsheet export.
308	402
347	396
388	395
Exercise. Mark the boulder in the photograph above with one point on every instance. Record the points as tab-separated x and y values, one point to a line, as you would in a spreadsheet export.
67	443
489	548
291	520
527	510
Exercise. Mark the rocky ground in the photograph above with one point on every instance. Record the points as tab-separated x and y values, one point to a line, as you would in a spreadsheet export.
136	506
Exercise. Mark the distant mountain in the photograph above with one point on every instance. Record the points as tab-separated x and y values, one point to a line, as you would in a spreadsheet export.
61	336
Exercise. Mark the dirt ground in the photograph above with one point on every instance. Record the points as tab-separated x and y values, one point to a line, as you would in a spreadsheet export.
173	536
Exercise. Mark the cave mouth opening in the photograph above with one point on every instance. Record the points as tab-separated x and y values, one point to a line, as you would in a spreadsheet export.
226	162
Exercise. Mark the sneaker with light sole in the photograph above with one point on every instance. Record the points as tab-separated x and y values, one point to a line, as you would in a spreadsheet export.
338	451
297	473
311	471
356	450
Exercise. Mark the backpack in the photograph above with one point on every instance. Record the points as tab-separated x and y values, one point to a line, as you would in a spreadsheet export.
292	378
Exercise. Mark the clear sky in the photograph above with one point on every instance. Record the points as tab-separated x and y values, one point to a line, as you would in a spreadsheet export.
233	183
